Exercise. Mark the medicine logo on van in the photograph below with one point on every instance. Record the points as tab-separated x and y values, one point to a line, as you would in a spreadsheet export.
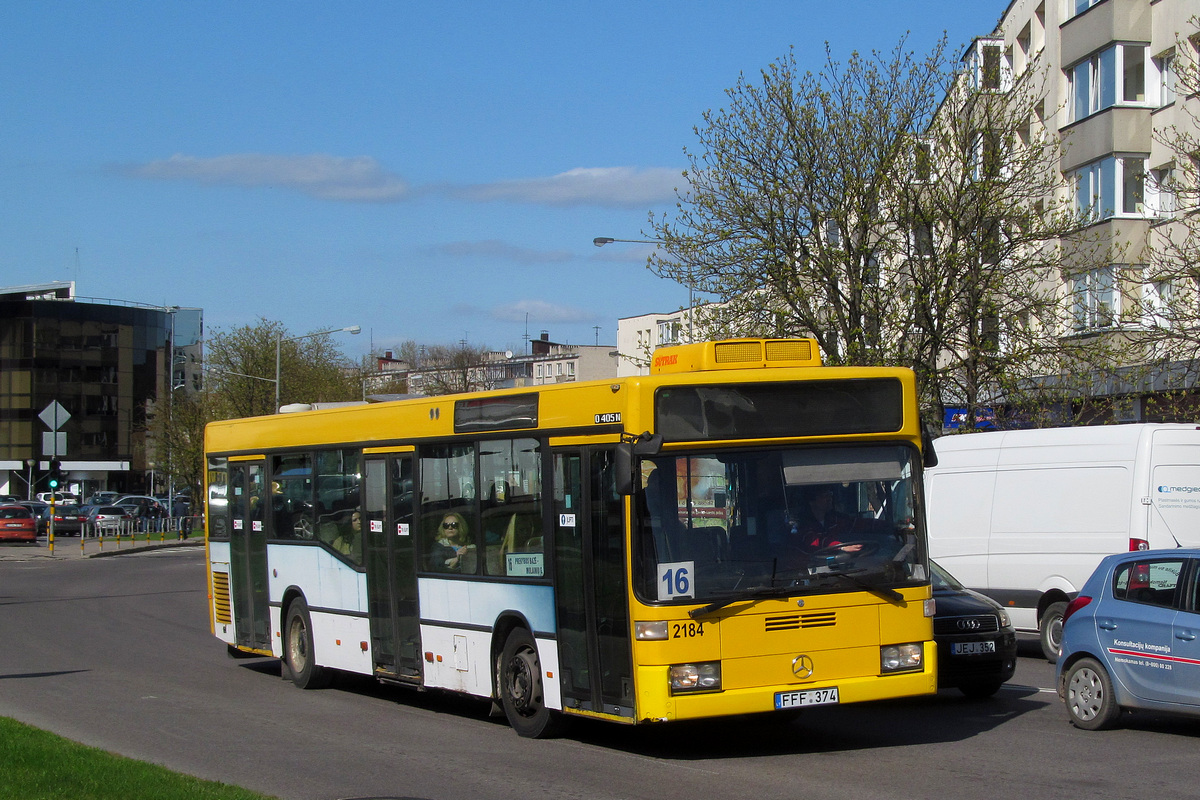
1178	489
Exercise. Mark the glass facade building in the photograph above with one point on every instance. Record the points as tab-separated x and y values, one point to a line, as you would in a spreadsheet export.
103	362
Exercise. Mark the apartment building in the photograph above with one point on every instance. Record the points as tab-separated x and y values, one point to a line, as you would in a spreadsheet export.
1109	70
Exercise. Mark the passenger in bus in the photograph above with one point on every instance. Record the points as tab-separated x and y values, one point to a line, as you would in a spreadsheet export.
349	542
450	544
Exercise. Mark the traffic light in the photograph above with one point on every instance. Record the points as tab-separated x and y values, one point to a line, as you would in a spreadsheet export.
55	479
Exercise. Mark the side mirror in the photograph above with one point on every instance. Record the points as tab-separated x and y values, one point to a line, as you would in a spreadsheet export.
930	454
646	444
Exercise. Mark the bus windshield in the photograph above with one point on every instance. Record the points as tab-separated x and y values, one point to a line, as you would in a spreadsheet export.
733	524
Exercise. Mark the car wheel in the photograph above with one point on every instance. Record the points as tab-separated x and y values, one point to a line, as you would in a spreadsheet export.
298	649
521	692
1090	701
1050	631
980	690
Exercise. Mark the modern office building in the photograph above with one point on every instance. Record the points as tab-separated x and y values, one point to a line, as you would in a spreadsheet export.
77	376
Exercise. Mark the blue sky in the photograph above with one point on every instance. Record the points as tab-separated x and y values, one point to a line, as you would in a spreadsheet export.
427	170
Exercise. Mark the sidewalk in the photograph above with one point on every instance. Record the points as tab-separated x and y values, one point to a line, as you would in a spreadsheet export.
75	547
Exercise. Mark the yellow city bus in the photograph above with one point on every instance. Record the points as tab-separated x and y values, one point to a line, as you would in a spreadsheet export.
739	531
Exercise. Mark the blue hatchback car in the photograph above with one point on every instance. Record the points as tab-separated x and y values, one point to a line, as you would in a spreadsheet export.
1131	639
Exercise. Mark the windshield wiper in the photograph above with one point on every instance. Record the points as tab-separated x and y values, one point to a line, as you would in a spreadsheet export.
768	592
751	596
891	595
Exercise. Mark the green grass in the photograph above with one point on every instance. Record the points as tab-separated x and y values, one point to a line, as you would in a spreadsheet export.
35	765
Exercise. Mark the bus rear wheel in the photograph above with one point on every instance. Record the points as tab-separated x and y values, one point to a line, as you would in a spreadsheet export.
521	694
298	648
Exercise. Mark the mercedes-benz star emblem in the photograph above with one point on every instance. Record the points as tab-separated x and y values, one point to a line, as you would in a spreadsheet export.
802	667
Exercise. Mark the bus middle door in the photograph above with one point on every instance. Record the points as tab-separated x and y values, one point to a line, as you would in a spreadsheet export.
248	556
591	588
391	571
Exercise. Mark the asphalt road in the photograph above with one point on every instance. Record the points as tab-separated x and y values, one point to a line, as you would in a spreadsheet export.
116	653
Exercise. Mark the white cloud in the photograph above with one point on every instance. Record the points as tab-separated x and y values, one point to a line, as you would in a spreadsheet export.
540	312
364	179
359	179
622	187
496	249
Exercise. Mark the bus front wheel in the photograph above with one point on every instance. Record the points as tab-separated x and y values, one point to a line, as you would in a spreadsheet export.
298	648
521	689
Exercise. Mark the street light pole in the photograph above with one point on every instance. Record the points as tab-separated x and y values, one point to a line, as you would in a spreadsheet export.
600	241
279	340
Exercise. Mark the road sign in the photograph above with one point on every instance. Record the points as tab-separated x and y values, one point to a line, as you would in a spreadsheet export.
54	444
54	415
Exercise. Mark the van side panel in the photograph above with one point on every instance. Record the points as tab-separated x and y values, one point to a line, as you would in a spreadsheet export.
1050	526
958	534
1174	490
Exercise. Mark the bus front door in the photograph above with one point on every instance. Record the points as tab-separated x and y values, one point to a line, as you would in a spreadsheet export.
391	571
595	661
248	556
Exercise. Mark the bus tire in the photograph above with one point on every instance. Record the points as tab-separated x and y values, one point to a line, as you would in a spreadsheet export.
298	652
1050	631
521	695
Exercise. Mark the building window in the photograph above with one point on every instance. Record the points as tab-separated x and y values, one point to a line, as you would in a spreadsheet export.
1100	185
1115	76
1164	66
991	70
1094	299
668	332
1160	192
1077	7
1156	302
922	160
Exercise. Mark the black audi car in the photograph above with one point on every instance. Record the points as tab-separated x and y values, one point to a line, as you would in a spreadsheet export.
976	643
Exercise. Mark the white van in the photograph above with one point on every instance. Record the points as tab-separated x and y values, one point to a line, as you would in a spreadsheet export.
1025	516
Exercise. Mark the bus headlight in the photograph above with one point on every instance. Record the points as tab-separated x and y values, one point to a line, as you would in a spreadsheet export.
650	631
704	677
901	657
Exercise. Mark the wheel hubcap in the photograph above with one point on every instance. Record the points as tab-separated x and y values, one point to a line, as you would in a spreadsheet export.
1086	694
522	682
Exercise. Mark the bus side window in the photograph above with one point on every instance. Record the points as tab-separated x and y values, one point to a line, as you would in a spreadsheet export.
448	498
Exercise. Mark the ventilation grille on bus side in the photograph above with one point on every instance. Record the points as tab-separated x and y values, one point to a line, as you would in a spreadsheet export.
789	350
733	352
220	583
794	622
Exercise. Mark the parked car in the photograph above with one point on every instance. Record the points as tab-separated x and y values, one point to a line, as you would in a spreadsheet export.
58	497
17	524
1131	639
40	511
976	642
105	519
142	505
103	498
67	520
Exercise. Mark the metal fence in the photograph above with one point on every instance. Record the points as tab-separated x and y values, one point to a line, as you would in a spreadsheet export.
161	527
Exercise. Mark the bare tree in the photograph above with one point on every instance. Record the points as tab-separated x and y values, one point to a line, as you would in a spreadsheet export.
443	369
899	209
